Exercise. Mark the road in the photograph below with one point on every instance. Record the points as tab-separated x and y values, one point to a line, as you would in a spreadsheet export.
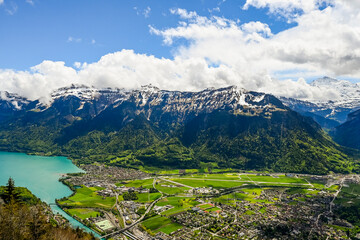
137	221
336	194
176	183
341	183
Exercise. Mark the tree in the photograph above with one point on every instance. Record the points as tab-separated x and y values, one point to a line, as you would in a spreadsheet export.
10	193
128	196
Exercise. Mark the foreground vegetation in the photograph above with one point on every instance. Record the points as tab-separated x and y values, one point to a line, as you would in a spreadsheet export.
24	217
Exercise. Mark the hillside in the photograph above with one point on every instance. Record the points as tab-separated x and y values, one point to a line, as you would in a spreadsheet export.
25	217
348	133
226	127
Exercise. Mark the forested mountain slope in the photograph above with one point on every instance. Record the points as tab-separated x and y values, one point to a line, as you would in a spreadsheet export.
226	127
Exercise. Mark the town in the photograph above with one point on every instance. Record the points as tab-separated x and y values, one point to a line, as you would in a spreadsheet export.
122	203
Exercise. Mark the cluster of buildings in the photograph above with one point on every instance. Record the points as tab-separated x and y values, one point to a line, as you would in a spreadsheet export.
261	219
97	174
159	209
203	190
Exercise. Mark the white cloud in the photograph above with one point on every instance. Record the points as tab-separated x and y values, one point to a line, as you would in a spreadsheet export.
289	9
183	13
38	82
258	28
77	65
216	9
31	2
11	8
1	2
126	69
325	41
73	39
146	12
93	41
222	52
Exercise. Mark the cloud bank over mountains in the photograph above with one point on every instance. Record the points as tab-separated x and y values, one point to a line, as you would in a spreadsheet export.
221	52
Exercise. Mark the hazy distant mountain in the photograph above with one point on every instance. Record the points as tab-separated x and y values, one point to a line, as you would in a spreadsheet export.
330	113
349	93
227	127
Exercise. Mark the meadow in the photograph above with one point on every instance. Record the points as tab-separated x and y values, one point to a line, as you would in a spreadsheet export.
179	204
147	197
87	197
196	182
161	224
83	213
145	183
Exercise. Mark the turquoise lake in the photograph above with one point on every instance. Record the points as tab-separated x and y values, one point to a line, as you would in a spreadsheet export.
40	175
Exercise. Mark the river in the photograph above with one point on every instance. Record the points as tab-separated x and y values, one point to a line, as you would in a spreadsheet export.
40	175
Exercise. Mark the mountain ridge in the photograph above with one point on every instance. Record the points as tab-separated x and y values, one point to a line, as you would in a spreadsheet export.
225	127
331	112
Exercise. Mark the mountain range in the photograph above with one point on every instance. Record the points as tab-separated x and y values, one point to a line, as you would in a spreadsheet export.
227	127
329	113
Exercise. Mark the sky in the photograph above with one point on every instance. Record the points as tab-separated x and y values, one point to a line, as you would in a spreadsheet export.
273	46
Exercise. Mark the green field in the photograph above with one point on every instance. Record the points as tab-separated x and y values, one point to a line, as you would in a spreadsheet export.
275	179
318	184
224	176
196	182
246	194
214	209
353	189
161	224
147	197
349	196
205	206
180	204
87	197
302	191
82	213
225	199
145	183
246	178
229	180
171	190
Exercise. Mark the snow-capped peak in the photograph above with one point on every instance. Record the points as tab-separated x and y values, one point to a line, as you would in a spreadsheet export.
348	92
324	81
13	101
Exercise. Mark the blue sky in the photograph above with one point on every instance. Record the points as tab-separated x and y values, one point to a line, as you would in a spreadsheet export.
85	30
269	46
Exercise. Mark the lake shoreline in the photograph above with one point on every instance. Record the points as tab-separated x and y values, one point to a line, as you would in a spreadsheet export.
41	175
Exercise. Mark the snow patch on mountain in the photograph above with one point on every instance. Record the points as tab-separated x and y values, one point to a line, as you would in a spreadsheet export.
348	99
13	101
349	93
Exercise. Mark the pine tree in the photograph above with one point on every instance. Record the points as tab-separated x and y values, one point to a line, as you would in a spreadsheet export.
10	193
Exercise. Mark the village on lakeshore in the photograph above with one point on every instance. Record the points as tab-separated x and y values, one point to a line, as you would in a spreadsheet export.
123	203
